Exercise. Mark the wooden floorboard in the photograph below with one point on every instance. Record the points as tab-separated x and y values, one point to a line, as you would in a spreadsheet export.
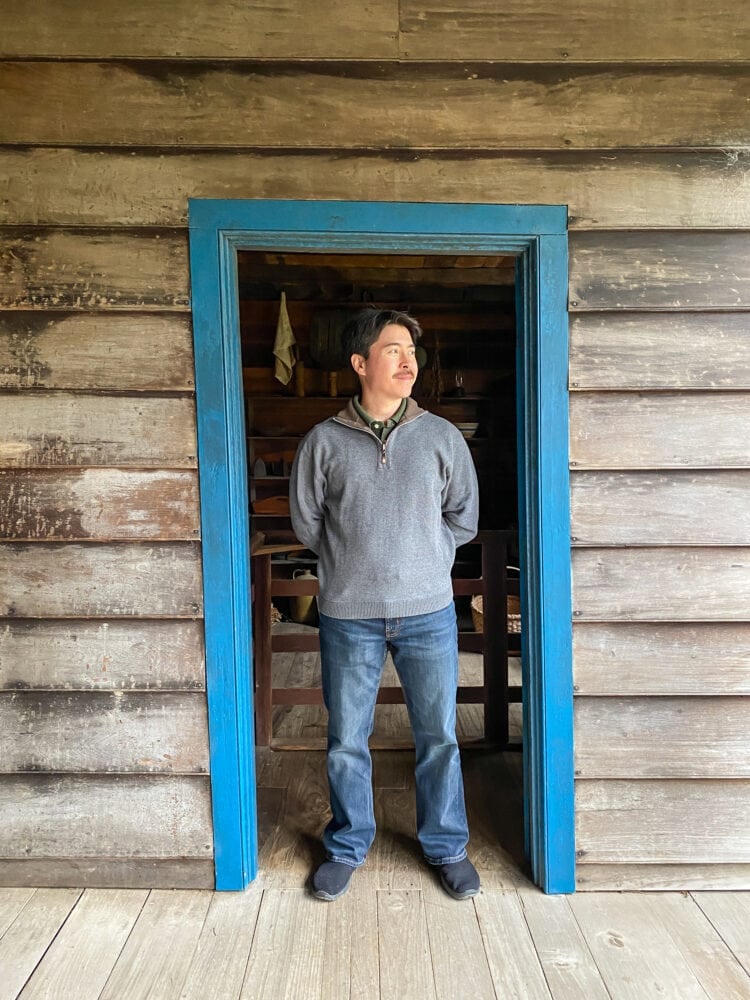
79	960
395	934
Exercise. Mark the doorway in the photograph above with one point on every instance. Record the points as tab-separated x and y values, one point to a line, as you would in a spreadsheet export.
230	240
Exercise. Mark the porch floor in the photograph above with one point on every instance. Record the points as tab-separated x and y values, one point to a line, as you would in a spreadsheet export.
394	935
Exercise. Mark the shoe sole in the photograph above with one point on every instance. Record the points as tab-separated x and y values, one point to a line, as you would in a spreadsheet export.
330	896
467	894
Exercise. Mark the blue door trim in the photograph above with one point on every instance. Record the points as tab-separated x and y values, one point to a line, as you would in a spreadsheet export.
538	235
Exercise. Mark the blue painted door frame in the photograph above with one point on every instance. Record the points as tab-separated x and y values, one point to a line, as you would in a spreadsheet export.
538	236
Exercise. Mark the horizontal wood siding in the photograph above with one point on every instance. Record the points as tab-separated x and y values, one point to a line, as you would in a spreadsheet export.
707	507
588	31
664	584
660	430
660	270
156	732
687	658
226	29
88	270
151	187
107	655
674	821
136	351
64	580
373	104
105	816
669	737
636	119
657	350
102	504
61	429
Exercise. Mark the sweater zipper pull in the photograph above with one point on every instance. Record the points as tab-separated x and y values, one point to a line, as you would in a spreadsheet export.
382	454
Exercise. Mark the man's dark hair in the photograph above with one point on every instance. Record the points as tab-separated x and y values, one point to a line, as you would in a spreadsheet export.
361	332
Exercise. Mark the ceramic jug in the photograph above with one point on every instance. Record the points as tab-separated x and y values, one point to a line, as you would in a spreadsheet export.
302	608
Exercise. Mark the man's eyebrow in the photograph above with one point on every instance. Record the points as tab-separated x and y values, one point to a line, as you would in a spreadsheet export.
397	343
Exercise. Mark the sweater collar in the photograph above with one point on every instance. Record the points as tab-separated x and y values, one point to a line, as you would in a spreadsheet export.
349	414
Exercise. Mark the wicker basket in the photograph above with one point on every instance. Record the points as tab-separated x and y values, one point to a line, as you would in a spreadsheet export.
514	613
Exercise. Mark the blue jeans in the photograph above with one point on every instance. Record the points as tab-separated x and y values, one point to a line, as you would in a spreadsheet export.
425	654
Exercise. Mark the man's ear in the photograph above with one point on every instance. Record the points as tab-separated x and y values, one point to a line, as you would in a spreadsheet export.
358	363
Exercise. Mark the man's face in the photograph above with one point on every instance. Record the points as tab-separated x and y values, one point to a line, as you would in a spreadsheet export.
390	369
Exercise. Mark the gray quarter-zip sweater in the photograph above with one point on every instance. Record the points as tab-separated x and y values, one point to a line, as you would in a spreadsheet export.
384	518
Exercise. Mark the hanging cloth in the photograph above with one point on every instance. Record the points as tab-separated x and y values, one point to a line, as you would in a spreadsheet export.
283	345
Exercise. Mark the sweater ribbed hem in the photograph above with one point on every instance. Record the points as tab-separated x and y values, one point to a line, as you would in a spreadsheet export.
386	609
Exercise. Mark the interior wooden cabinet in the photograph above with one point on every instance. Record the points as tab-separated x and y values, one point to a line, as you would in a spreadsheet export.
466	308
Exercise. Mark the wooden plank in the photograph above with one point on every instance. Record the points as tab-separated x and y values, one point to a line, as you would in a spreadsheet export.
730	915
402	932
100	581
704	951
662	737
155	959
109	873
514	964
291	924
392	856
480	106
292	853
125	816
12	901
102	504
109	655
141	187
93	270
641	430
217	968
635	953
561	948
139	351
660	508
707	350
711	584
439	30
60	428
223	30
80	958
459	961
103	731
659	270
648	878
663	821
673	659
350	957
28	937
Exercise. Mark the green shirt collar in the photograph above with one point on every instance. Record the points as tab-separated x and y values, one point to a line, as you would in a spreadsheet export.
382	428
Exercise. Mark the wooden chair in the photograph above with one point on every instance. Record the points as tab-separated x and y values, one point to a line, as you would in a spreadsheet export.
492	583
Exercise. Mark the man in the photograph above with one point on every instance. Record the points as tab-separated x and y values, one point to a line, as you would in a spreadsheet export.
383	493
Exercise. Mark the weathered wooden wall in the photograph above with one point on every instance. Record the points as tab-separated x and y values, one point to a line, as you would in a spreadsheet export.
635	116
